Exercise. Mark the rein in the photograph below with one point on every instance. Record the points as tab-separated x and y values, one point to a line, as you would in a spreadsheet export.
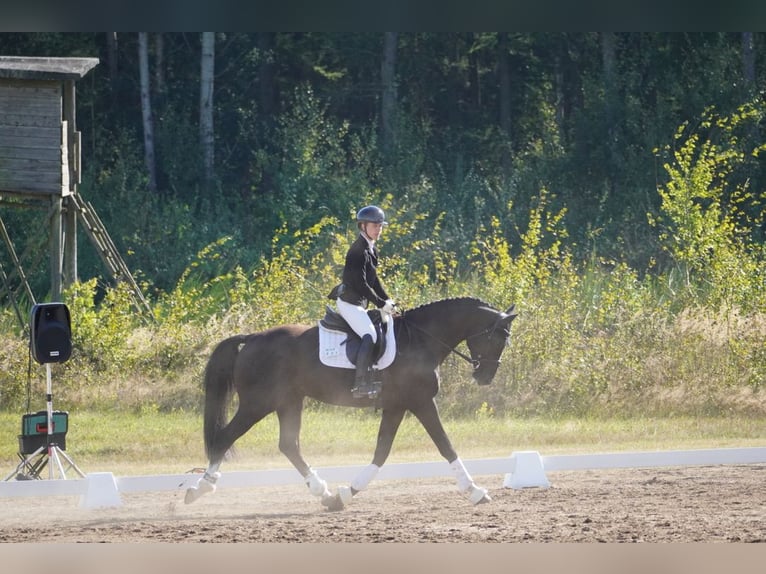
475	363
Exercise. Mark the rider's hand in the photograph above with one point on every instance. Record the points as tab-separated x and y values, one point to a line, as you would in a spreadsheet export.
389	307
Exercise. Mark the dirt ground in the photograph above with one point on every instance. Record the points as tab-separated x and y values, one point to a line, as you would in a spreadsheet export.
681	504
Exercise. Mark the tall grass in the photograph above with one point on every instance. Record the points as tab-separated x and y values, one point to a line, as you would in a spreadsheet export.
151	442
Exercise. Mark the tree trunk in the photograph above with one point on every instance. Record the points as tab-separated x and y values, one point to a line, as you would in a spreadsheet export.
146	109
388	96
206	133
111	54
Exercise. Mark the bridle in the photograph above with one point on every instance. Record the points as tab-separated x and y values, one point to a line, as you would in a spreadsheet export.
475	363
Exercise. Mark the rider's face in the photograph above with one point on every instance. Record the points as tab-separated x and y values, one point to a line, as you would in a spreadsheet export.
373	230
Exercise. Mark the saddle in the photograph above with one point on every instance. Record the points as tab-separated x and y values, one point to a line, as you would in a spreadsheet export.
333	321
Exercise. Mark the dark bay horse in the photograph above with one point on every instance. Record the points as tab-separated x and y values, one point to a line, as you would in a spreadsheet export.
274	370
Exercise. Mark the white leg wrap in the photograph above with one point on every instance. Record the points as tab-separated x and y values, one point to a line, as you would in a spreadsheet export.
364	478
464	480
345	495
317	486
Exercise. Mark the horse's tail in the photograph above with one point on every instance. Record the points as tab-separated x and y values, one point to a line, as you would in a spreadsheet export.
219	386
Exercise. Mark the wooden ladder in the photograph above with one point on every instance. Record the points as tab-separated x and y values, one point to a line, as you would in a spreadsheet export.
107	250
15	293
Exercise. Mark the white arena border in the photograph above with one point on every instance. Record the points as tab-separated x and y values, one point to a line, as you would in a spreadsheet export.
103	489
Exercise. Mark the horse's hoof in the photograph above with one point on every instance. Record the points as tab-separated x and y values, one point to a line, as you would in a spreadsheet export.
479	495
345	494
484	500
204	486
192	494
333	503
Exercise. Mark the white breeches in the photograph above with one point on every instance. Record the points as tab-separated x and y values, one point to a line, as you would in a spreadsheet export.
357	318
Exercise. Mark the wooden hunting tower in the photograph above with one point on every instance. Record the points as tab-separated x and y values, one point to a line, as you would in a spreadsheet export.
40	150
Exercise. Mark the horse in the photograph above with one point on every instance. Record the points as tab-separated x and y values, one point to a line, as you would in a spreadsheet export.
276	369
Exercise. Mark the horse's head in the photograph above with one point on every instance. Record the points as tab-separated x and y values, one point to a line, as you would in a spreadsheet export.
487	346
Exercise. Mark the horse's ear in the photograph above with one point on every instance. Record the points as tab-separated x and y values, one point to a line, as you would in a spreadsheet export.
511	313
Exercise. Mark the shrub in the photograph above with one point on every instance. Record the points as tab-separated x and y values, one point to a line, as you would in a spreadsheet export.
708	221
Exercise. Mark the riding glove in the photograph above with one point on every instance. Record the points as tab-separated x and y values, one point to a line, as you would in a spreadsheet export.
389	307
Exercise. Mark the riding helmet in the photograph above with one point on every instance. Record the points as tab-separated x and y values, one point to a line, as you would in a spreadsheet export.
371	214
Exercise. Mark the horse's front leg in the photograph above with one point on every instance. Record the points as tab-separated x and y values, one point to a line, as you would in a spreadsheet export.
289	444
389	425
428	414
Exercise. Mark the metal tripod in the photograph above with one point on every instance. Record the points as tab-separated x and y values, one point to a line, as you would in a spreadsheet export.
49	454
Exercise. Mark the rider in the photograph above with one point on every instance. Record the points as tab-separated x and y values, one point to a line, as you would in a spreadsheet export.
360	287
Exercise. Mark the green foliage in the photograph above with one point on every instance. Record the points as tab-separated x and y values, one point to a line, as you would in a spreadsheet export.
541	257
140	221
705	222
323	168
416	259
292	285
100	333
196	297
14	376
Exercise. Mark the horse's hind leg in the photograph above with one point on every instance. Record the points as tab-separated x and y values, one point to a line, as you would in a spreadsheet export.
241	422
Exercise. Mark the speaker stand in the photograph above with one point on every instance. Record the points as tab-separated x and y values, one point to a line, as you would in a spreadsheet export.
31	466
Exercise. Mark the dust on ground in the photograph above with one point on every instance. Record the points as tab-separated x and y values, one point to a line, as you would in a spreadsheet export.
725	503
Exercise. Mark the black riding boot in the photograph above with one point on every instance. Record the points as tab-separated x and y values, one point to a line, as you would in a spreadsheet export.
363	384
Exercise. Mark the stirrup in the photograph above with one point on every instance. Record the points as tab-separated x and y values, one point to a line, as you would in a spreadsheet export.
367	390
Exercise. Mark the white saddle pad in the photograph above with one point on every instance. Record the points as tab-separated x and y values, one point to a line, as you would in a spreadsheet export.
332	349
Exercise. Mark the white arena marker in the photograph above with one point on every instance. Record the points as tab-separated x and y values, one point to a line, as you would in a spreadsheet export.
100	491
106	495
527	471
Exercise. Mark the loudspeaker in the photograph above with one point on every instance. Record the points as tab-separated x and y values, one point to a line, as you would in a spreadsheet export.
50	333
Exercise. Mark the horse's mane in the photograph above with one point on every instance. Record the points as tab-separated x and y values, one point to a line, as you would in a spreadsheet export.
474	301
